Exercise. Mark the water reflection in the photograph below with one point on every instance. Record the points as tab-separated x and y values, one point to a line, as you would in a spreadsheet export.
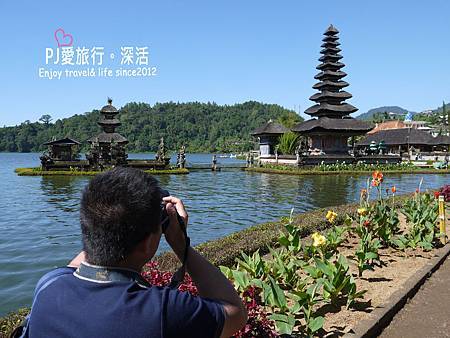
63	192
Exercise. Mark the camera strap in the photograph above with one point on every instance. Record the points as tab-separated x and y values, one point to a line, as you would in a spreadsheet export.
178	276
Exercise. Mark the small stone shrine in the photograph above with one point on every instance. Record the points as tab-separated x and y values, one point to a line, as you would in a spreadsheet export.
108	147
106	150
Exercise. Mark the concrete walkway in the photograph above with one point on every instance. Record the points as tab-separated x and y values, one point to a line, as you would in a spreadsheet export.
427	314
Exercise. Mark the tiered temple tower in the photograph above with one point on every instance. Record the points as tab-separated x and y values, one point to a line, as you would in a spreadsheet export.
108	147
332	124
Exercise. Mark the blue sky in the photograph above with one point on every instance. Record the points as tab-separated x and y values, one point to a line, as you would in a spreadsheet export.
396	52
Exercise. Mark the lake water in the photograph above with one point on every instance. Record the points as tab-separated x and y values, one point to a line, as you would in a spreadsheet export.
39	224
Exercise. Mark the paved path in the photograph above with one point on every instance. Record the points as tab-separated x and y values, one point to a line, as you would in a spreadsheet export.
427	314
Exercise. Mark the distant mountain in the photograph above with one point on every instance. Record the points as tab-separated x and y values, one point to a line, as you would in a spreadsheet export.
390	109
439	109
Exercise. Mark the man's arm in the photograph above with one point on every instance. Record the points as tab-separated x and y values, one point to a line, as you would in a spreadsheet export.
210	282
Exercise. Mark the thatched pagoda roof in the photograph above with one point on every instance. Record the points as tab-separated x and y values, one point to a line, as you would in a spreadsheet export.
441	140
332	44
330	124
270	128
330	65
328	57
326	95
402	136
331	30
330	84
105	121
330	110
67	141
109	108
108	138
330	100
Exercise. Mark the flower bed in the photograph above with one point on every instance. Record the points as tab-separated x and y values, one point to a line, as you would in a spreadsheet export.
329	283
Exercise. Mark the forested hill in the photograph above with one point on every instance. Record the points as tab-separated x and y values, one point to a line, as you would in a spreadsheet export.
202	127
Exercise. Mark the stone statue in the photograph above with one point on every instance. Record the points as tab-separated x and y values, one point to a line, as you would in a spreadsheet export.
161	154
214	163
182	159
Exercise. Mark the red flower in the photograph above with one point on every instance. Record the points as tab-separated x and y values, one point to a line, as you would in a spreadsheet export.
366	223
417	190
394	189
437	194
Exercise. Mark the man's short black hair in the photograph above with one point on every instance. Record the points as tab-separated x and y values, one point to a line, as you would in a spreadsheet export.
119	208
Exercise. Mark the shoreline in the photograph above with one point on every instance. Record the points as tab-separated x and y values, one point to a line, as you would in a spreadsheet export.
37	172
306	172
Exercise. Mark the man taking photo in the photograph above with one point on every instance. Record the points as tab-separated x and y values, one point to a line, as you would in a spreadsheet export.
101	293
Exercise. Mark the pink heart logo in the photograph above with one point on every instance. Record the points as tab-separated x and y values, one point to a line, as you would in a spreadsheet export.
63	39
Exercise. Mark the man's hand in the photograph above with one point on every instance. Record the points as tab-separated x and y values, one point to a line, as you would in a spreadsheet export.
174	233
210	282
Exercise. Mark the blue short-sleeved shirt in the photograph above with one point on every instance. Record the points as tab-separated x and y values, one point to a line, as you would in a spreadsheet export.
75	307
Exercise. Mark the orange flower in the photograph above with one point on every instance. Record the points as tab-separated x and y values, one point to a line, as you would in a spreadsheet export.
377	175
394	189
377	178
366	223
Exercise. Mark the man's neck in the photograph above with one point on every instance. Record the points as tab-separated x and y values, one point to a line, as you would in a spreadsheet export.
121	265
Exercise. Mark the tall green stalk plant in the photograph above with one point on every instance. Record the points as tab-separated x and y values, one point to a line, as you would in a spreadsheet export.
288	142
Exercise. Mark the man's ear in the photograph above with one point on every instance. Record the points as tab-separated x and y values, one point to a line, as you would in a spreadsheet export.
148	246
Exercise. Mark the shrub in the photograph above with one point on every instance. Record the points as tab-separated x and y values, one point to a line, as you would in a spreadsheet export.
288	142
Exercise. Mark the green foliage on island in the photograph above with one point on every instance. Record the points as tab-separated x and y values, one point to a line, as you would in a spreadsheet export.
348	169
202	127
37	171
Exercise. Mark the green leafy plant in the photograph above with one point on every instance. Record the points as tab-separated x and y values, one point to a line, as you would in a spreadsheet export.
385	222
335	237
240	278
367	253
288	142
253	264
291	238
337	281
284	315
421	214
306	300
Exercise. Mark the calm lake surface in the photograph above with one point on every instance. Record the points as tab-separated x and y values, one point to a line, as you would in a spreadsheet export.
39	219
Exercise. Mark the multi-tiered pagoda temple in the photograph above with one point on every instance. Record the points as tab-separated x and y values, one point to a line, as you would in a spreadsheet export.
331	126
108	147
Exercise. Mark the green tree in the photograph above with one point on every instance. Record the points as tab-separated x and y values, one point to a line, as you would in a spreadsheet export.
46	119
201	127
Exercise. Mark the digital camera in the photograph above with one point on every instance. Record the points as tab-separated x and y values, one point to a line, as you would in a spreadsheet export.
165	220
